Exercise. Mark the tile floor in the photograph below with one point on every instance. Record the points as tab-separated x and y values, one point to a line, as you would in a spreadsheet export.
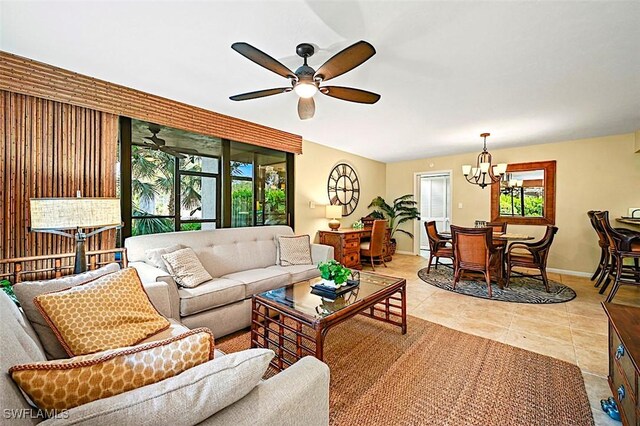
575	331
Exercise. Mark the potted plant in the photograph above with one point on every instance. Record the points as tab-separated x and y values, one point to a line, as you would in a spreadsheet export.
333	274
403	209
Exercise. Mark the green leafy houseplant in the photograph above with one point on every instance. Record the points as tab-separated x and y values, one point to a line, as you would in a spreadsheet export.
334	271
403	209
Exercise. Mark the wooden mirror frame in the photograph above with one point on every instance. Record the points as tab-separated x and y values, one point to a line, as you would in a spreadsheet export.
549	217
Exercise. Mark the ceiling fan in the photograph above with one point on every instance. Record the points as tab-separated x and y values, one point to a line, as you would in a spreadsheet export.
306	81
158	144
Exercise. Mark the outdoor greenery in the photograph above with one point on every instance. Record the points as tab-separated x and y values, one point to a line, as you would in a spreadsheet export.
152	176
334	271
533	205
403	209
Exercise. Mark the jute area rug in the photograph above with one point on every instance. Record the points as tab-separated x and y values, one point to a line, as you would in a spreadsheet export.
434	375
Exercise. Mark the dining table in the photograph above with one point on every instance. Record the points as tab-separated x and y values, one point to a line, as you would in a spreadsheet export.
505	238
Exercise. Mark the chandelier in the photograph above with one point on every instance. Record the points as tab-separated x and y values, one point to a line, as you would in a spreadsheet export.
484	173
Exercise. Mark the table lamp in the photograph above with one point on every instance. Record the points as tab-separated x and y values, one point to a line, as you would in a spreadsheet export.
333	213
54	215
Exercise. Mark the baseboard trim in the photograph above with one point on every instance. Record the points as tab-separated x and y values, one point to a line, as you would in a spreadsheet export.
568	272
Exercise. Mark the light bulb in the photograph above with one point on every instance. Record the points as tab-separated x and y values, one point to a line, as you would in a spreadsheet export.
305	90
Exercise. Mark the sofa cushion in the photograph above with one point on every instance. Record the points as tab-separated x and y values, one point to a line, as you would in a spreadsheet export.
68	383
261	280
210	294
294	250
19	345
185	267
110	312
154	256
187	399
298	272
27	290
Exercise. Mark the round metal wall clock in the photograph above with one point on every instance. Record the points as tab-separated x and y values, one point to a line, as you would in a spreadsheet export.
343	188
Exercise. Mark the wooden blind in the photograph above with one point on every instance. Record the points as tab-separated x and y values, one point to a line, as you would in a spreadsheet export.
51	149
22	75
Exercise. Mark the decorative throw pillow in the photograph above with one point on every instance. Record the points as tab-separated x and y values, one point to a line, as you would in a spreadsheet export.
295	250
64	384
26	291
154	256
185	267
107	313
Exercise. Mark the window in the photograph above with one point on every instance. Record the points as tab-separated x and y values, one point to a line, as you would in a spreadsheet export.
180	181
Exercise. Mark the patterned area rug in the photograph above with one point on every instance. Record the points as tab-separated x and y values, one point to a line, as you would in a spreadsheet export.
434	375
521	289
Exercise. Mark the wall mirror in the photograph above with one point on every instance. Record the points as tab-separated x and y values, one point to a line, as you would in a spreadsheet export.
526	195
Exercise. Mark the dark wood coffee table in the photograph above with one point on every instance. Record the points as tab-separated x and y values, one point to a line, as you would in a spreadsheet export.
293	322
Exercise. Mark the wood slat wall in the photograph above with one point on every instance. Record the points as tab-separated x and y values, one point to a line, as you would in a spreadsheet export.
22	75
51	149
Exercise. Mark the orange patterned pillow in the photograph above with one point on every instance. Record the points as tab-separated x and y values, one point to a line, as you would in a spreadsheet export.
109	312
67	383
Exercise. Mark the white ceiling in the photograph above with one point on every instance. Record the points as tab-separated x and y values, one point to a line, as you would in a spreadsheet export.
528	72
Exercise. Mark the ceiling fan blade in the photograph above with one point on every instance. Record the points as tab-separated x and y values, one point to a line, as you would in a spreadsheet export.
306	108
151	146
189	151
345	60
172	152
262	59
260	94
351	95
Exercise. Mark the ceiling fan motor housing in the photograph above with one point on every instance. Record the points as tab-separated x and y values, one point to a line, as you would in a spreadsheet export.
305	50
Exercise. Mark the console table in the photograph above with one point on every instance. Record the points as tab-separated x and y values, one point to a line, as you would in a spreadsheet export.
624	359
346	245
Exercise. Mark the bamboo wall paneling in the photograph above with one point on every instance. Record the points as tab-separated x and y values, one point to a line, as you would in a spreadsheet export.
22	75
51	149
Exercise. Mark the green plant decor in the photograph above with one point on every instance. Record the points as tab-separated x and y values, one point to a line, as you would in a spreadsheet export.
334	271
7	288
404	209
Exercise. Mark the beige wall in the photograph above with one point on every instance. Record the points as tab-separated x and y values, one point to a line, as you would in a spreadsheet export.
600	174
311	173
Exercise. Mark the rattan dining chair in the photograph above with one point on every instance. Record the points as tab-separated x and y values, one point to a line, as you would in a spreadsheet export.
473	250
439	246
621	246
531	255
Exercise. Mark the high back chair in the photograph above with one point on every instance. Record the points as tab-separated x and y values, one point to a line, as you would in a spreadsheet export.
603	265
621	246
374	248
473	250
531	255
439	246
498	227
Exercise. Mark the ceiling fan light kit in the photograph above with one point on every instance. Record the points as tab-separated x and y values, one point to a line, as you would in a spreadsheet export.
484	173
306	81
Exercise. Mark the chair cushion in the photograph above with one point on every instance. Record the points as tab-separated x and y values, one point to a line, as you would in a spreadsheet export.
298	272
68	383
110	312
26	291
185	268
260	280
176	328
154	256
294	250
365	245
208	295
635	246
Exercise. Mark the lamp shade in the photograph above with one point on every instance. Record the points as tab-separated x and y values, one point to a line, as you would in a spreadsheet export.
333	212
72	213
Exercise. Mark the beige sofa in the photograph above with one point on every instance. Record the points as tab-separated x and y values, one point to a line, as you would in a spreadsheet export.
242	262
213	393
